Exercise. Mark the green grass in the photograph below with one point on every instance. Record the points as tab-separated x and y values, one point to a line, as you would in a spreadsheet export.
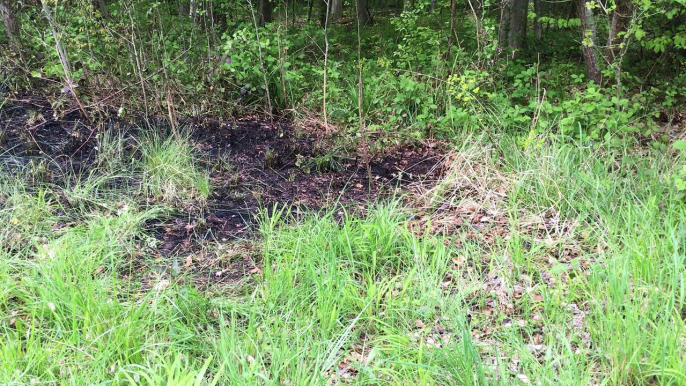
553	265
170	170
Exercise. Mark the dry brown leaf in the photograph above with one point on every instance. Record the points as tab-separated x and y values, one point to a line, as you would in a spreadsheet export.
162	285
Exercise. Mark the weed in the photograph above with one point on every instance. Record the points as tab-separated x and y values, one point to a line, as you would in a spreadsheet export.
271	159
113	151
170	170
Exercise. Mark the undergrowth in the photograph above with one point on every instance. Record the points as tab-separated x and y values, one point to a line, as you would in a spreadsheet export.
557	264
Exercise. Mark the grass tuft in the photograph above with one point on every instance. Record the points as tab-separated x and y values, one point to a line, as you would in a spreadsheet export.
170	169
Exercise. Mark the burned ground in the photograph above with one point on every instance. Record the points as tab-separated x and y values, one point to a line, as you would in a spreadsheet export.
252	165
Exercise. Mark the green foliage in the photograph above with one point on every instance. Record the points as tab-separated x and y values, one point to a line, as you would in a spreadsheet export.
592	113
680	175
208	64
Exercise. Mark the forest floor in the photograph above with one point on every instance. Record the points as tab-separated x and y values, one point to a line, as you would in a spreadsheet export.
256	252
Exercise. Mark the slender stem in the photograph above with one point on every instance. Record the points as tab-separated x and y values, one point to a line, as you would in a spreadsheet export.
363	131
326	63
259	47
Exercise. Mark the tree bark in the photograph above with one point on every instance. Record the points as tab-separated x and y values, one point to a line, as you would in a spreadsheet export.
363	15
504	28
621	17
324	12
265	12
588	41
335	11
538	32
515	38
102	6
193	11
265	9
9	19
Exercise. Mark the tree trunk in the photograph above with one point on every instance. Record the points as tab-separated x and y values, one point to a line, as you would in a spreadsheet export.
265	9
537	24
184	9
515	38
193	11
504	28
335	11
102	6
621	17
323	12
9	19
588	41
363	15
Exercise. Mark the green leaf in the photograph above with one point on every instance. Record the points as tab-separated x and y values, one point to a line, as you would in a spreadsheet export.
680	145
558	269
640	34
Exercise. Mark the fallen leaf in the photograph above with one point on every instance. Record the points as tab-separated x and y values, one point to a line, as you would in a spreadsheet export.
162	285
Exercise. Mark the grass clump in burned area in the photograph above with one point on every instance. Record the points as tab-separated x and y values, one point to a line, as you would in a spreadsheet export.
129	257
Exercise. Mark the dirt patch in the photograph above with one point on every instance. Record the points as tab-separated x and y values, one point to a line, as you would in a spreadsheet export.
257	165
252	164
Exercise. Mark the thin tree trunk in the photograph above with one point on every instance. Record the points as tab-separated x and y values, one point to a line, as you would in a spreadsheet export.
9	19
621	17
515	38
504	28
363	16
265	8
184	9
588	41
451	33
537	24
323	12
193	11
102	6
